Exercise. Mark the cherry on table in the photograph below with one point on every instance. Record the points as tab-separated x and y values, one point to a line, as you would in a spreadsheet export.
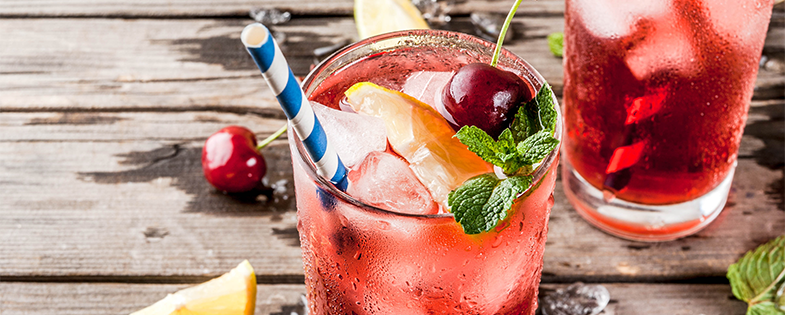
231	162
484	96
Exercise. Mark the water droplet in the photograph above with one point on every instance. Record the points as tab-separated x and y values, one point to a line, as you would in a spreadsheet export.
383	225
497	241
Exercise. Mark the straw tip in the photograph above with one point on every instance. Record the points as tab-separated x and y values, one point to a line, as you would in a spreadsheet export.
254	35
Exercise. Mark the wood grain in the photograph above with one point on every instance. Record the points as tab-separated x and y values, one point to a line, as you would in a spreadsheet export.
110	298
115	298
241	8
234	8
154	65
120	197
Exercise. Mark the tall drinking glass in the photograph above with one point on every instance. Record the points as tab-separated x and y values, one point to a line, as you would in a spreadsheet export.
360	259
656	96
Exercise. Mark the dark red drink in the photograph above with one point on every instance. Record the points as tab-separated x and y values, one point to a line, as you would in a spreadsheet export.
657	92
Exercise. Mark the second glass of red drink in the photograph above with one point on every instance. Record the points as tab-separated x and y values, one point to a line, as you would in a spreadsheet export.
656	96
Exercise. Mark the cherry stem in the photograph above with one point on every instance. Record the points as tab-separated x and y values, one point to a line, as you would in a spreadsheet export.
272	137
503	33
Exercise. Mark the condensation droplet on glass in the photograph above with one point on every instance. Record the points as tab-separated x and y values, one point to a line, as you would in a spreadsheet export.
383	225
497	241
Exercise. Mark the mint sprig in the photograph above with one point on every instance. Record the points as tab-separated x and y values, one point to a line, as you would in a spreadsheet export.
483	201
526	142
758	278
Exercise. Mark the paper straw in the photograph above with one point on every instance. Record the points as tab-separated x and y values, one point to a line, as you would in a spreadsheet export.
268	57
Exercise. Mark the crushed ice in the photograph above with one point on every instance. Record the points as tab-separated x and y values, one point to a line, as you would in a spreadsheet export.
270	16
435	11
489	25
576	299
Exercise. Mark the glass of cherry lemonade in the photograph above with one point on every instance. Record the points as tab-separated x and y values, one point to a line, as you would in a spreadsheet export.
389	245
656	96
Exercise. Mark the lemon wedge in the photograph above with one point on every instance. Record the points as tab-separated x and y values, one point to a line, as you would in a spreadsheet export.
422	136
374	17
230	294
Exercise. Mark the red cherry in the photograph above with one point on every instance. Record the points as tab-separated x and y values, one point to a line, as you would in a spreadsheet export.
230	160
485	96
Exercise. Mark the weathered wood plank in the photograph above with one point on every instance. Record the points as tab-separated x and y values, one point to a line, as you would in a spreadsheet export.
133	65
114	196
180	8
116	298
105	298
241	8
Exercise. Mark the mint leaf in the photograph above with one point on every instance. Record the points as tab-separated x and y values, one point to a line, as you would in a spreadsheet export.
483	201
765	308
480	143
556	43
535	148
503	153
546	108
526	122
537	114
758	276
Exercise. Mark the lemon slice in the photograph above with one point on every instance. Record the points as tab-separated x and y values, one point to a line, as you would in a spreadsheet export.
374	17
422	136
230	294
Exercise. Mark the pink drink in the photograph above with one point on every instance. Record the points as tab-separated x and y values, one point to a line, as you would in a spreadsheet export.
361	259
656	96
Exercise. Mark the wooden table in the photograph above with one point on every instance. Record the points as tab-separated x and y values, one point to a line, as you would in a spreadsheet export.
104	107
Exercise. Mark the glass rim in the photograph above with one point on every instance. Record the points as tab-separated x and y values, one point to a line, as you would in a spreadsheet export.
328	187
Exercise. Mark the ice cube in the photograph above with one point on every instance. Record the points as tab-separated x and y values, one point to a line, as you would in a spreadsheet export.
737	23
435	11
613	18
270	16
576	299
386	181
665	45
489	25
353	135
426	87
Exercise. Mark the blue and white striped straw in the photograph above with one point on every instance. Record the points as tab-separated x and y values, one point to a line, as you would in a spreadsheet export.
268	57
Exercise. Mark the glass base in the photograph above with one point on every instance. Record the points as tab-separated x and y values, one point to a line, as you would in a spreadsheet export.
640	222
